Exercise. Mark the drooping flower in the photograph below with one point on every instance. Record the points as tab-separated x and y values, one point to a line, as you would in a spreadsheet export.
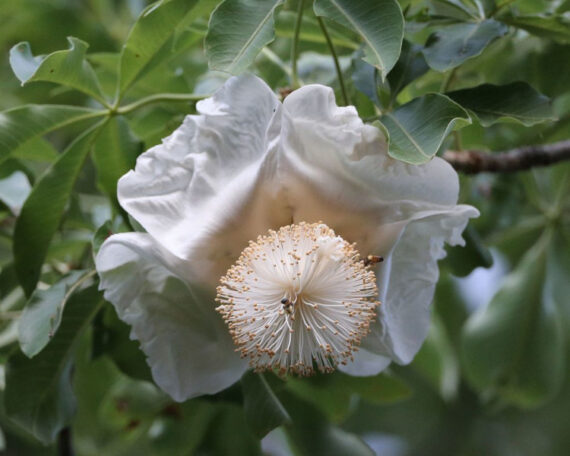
270	208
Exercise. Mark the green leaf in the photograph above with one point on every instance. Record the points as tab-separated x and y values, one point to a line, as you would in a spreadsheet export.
517	102
263	411
379	23
25	123
450	46
36	149
452	9
43	210
237	32
114	153
418	128
310	433
515	346
42	315
553	27
39	395
154	27
333	393
410	66
67	67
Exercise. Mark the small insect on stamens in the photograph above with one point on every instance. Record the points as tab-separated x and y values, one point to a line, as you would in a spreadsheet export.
371	260
287	305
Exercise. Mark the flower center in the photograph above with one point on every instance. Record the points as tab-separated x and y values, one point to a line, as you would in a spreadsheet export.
298	299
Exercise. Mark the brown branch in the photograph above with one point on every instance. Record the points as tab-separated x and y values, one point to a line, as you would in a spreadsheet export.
521	158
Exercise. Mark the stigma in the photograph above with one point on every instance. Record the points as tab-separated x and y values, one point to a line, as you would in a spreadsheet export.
298	300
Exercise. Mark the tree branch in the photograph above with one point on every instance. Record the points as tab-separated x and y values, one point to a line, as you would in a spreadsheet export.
521	158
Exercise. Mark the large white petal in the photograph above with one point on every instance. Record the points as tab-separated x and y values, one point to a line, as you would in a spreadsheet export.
338	171
187	345
202	192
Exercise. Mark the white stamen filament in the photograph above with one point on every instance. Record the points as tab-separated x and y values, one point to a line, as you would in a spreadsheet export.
298	299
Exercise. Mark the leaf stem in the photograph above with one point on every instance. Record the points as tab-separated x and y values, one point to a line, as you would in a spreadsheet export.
335	59
158	98
295	46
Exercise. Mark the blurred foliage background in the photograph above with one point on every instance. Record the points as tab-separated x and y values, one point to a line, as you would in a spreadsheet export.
492	378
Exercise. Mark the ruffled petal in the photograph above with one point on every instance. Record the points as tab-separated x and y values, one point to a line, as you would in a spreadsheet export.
407	282
201	192
338	171
187	346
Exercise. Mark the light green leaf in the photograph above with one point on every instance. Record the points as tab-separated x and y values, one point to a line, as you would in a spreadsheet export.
154	27
553	27
42	315
379	23
263	411
237	32
517	102
36	149
114	153
418	128
450	46
515	346
25	123
67	67
39	395
43	210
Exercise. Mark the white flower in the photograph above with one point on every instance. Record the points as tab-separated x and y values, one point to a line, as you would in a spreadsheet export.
248	164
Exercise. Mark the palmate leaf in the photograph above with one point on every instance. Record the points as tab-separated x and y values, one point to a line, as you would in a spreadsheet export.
68	68
39	395
20	125
43	313
43	210
417	129
237	32
154	27
379	23
517	102
515	346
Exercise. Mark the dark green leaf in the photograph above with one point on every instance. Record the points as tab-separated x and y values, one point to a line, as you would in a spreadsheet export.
333	393
553	27
452	9
43	210
237	32
515	346
517	101
153	28
39	395
311	434
452	45
379	23
263	411
418	128
410	66
20	125
464	259
67	67
42	316
114	153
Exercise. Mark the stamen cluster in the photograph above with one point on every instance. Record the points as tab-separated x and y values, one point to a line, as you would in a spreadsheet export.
298	299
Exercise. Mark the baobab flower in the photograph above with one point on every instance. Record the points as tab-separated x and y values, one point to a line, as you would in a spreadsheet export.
261	221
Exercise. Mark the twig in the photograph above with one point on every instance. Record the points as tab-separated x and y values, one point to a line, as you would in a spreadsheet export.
521	158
